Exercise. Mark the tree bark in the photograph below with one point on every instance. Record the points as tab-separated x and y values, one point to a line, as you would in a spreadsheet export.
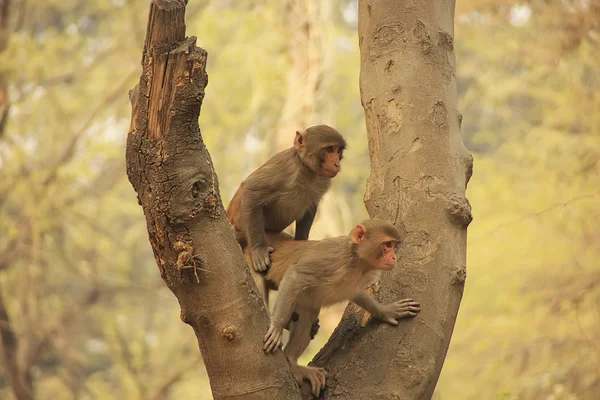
304	22
306	69
5	8
196	252
419	172
20	378
18	374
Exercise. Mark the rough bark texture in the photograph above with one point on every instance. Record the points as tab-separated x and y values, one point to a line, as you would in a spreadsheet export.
197	255
419	173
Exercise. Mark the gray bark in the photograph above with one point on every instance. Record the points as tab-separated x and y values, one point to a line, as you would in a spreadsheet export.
419	172
196	252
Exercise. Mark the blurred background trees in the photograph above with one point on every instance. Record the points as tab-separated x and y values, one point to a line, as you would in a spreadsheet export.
83	312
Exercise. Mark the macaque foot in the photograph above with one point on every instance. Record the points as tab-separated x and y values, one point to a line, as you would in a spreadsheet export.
400	309
316	376
273	339
261	258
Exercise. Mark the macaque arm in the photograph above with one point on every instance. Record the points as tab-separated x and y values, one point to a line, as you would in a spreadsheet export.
253	209
365	301
254	219
389	313
304	224
289	290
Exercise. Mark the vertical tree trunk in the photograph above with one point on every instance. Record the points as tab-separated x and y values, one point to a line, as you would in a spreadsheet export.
196	252
11	347
419	172
302	18
19	376
5	8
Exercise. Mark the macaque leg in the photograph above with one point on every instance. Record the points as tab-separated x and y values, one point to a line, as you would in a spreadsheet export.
297	343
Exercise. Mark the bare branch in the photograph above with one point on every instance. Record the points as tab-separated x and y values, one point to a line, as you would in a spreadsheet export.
69	152
20	378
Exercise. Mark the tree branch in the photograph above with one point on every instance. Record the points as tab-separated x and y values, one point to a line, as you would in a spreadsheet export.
419	170
66	319
20	378
169	167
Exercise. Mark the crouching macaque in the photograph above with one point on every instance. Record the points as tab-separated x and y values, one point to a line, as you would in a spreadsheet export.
315	274
288	252
287	188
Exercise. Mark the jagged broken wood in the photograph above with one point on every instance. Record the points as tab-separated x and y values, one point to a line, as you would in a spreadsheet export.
171	170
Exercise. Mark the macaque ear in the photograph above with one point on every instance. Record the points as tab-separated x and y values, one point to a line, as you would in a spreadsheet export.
359	234
299	140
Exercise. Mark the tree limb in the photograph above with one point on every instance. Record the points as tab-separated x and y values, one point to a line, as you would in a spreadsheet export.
20	378
169	167
419	172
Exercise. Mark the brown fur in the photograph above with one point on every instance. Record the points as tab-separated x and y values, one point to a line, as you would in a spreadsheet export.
289	251
287	188
315	274
287	185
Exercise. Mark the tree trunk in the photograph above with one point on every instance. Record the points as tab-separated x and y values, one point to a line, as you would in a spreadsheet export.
5	8
419	172
19	376
196	252
304	22
302	19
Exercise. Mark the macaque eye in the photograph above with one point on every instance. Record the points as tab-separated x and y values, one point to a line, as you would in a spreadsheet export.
388	245
329	149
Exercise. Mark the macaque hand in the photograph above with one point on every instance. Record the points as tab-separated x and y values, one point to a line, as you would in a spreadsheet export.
400	309
316	376
273	339
261	258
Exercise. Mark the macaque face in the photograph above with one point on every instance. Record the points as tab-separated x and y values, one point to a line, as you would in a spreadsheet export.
321	148
386	259
331	157
376	248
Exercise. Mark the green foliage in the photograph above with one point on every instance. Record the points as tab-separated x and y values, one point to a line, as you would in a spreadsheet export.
529	320
77	274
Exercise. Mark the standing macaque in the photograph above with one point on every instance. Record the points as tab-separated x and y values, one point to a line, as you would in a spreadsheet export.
317	274
287	188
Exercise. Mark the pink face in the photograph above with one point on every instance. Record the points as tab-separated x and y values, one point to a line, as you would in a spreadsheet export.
387	259
379	251
331	161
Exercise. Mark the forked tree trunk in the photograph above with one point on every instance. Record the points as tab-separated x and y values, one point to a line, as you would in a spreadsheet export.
196	252
419	172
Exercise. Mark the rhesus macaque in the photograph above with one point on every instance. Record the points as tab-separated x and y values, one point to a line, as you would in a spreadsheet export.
317	274
287	253
287	188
